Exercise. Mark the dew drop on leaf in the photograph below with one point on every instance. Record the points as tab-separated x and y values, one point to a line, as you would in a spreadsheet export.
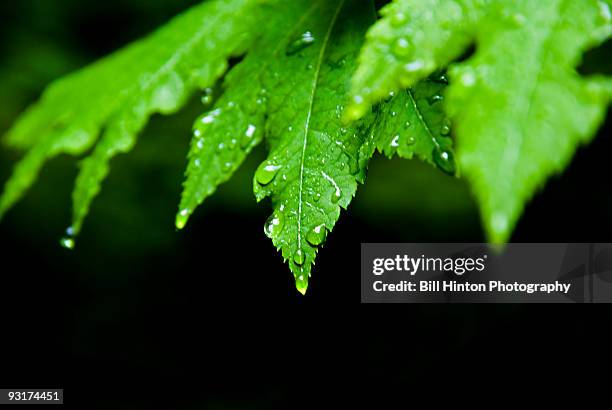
298	257
398	19
445	160
274	225
305	40
247	138
401	48
316	236
445	130
395	141
266	173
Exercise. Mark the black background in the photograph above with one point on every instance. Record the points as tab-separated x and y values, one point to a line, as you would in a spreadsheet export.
209	318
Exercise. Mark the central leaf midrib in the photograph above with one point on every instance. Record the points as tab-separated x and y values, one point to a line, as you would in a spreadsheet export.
315	82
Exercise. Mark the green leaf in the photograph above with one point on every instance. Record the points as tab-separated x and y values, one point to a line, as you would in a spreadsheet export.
413	123
520	108
119	94
314	165
413	39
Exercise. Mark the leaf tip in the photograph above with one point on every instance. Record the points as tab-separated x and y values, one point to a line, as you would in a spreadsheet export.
181	218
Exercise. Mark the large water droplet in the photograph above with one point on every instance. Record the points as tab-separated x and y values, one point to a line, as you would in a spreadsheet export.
305	40
316	236
299	257
266	172
445	160
445	130
274	225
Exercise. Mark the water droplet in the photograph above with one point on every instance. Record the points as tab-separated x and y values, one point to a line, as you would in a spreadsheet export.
411	140
401	47
247	138
266	173
182	217
407	124
197	162
274	225
211	116
220	147
231	104
233	143
299	257
445	160
435	99
414	66
67	243
316	236
317	197
227	166
389	96
197	133
398	19
395	141
393	114
305	40
207	97
200	143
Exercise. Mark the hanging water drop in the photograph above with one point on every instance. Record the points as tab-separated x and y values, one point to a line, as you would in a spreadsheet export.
299	258
266	173
317	235
274	225
67	243
305	40
200	143
411	140
445	130
445	160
